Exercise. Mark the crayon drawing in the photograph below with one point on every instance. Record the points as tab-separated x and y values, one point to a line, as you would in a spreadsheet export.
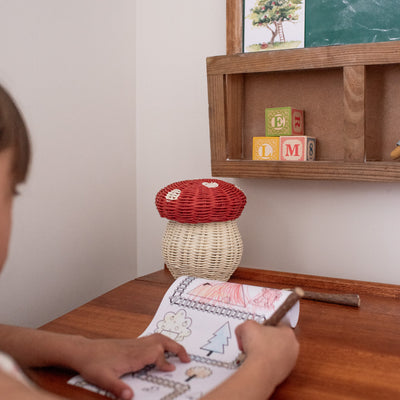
175	325
220	339
198	372
267	298
227	293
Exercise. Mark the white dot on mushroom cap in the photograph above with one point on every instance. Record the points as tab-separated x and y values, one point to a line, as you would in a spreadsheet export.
210	185
173	194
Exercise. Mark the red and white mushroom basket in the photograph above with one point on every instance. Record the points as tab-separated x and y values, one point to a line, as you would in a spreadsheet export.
202	238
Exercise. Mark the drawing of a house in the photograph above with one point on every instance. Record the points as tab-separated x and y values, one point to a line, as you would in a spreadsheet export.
227	293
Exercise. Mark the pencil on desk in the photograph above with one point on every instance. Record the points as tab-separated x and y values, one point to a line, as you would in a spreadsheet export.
296	294
347	299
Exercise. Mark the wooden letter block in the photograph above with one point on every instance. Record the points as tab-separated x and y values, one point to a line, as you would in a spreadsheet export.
284	121
265	148
297	148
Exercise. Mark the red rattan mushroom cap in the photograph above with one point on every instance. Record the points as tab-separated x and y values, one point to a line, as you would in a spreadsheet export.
200	201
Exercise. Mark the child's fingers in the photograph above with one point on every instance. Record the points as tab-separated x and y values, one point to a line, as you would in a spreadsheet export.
244	330
175	348
111	383
169	345
163	365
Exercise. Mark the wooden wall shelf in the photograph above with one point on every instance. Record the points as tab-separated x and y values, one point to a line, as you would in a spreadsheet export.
351	98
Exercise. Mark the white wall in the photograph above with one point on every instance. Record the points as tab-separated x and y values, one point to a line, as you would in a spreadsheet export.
172	109
337	229
71	67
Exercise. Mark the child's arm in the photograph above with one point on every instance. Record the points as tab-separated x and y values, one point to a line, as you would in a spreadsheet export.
100	361
11	389
271	354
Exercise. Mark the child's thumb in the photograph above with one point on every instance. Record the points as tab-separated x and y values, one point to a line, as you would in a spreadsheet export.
114	385
119	389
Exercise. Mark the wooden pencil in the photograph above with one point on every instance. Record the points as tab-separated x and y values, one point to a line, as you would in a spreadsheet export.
347	299
280	312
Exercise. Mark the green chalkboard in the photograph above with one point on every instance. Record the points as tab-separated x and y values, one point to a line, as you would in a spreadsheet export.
331	22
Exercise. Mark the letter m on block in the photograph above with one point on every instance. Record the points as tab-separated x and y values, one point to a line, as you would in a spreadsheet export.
292	150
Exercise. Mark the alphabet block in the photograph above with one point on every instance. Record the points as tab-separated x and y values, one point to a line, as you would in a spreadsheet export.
284	121
297	148
265	148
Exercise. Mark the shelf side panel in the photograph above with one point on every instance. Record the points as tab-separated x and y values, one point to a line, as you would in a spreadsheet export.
216	111
234	24
382	111
234	116
354	113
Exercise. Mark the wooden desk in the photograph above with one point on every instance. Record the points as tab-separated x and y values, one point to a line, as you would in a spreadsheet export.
345	352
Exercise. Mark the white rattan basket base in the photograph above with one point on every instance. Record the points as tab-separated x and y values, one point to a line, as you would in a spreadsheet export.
209	250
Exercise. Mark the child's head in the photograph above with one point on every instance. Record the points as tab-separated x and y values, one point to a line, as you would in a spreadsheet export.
14	163
14	136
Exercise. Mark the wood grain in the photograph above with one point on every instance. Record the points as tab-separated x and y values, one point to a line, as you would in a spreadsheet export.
217	120
318	170
314	282
346	299
234	116
308	58
345	352
354	113
318	92
234	18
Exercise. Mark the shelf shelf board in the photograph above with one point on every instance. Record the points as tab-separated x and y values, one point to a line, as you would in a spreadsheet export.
307	58
370	171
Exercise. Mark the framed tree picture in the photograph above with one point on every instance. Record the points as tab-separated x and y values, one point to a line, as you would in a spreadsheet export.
273	24
263	25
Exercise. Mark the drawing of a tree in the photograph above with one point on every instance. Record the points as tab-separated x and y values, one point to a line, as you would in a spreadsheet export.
219	340
271	14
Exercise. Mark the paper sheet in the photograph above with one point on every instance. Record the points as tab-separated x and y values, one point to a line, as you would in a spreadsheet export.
202	315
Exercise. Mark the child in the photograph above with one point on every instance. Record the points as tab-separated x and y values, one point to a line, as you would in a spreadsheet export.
271	352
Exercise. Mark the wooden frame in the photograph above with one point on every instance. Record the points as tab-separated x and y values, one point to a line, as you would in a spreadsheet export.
234	26
355	132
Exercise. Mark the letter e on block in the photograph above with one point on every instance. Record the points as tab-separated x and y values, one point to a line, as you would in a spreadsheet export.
284	121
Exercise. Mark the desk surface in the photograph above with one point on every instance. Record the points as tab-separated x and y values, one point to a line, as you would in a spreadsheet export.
345	352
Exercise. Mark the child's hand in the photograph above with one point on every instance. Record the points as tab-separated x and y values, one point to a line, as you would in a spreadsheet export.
102	362
273	348
271	353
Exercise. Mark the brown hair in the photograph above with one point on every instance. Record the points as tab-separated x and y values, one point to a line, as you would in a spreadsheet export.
14	134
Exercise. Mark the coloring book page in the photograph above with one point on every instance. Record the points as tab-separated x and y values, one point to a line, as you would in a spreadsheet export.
201	314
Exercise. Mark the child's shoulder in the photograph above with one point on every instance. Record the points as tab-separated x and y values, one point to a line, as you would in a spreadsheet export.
10	367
